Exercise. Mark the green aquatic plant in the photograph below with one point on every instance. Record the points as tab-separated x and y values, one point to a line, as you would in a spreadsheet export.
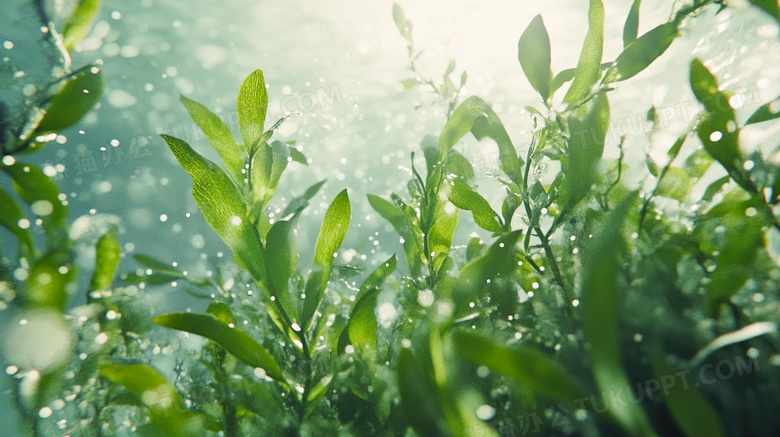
594	307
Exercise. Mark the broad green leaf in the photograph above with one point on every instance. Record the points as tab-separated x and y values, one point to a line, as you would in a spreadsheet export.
498	261
642	52
771	7
735	260
46	284
106	260
236	342
222	206
675	184
78	25
475	115
587	131
526	365
363	324
282	244
533	52
332	233
600	295
419	401
10	217
390	212
462	196
588	71
714	188
78	94
690	409
298	156
333	230
219	136
165	406
460	166
403	25
697	163
252	104
565	76
717	129
766	112
221	311
632	24
41	193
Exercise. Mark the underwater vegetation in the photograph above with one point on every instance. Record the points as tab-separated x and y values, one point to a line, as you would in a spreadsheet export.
598	306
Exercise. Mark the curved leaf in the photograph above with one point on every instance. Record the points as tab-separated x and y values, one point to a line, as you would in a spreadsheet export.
533	52
10	216
587	72
418	398
219	136
79	93
642	52
236	342
392	214
462	196
766	112
475	115
165	406
252	104
106	260
525	365
80	22
222	206
362	325
632	24
282	244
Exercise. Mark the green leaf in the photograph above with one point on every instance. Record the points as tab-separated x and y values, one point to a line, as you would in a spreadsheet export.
252	104
460	166
155	264
221	311
268	164
298	156
332	233
565	76
717	129
588	71
333	230
475	115
41	193
282	244
389	212
106	260
690	409
632	24
769	6
526	365
219	136
46	284
642	52
78	25
462	196
587	131
222	206
533	52
418	398
675	184
236	342
362	325
10	216
600	309
697	164
298	203
714	188
498	261
78	94
403	25
161	399
735	260
652	166
766	112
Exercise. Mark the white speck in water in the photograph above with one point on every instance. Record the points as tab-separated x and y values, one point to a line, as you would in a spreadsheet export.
575	303
45	412
425	298
486	412
101	338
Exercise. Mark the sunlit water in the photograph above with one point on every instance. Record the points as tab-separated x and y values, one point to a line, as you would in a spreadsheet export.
339	64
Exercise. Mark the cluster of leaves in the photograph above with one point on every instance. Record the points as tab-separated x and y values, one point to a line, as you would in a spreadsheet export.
586	287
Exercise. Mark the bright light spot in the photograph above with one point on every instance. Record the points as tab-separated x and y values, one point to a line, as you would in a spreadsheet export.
486	412
716	136
163	217
101	338
425	298
111	314
386	314
575	303
235	220
45	412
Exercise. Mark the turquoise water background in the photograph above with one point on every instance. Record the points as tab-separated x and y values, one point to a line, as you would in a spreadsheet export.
339	64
